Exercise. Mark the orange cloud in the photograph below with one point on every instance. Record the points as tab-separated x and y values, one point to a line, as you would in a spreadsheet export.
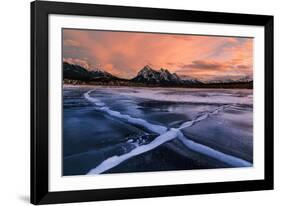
125	53
69	42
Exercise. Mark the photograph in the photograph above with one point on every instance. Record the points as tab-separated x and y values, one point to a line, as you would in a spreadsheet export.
130	102
155	102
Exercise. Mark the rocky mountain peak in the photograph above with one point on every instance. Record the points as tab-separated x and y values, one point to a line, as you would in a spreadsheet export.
162	76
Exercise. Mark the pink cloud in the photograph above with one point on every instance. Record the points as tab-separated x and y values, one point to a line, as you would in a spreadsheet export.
125	53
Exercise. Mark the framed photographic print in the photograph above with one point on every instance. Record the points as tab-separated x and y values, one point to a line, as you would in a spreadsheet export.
131	102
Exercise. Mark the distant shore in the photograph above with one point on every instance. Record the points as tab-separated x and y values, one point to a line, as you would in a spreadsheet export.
231	85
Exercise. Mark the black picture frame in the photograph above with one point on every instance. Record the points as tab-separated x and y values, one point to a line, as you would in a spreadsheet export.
40	96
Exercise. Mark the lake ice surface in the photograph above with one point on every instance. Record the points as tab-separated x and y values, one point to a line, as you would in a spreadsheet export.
127	129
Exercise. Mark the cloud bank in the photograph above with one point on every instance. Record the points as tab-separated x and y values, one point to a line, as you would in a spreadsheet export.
125	53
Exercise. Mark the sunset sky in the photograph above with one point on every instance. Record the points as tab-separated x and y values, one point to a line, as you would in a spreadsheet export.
125	53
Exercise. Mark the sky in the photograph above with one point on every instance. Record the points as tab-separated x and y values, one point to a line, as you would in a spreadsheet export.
125	53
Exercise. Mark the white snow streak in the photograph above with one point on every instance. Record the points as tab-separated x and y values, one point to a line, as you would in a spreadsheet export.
165	136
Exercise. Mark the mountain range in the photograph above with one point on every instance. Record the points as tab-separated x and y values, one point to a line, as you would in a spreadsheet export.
77	72
163	76
245	79
147	76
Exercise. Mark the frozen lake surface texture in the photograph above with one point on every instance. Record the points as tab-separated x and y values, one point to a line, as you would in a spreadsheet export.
128	129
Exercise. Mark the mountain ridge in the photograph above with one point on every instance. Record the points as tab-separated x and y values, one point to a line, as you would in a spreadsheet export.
147	76
162	76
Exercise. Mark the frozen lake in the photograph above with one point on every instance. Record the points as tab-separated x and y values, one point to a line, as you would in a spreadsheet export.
127	129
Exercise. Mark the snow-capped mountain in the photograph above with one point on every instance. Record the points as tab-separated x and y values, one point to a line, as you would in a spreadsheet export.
189	79
246	79
162	76
77	72
147	76
219	81
101	74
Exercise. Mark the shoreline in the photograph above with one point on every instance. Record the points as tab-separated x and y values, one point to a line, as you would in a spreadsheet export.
150	87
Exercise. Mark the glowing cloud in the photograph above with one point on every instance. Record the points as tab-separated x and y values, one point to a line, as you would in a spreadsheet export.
125	53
